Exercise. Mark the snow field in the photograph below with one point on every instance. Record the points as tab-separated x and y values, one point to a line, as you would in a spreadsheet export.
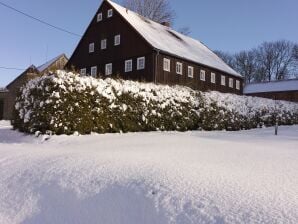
193	177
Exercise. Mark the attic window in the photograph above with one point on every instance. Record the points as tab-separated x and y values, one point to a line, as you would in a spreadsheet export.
175	35
103	44
110	13
117	40
91	47
99	17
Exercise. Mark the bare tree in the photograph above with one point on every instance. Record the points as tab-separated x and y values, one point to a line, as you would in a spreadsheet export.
185	30
246	64
227	58
157	10
276	60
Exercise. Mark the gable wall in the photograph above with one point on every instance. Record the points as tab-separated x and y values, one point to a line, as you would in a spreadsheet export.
132	46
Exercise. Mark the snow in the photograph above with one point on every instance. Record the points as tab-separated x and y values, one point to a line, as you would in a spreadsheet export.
172	42
194	177
275	86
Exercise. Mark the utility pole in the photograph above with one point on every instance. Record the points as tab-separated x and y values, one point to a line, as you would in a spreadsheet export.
276	117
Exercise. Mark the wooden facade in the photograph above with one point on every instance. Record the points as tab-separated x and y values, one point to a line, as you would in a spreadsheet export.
285	95
133	46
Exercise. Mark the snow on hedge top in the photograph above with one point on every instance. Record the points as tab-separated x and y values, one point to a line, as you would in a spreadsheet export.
276	86
172	42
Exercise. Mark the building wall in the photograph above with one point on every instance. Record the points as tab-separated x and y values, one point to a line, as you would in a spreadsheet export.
13	90
133	46
288	96
3	98
172	78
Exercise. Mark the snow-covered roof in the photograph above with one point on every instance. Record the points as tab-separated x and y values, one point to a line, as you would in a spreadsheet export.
275	86
49	63
169	41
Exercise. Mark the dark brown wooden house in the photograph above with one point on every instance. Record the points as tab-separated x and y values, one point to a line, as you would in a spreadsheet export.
9	94
278	90
119	42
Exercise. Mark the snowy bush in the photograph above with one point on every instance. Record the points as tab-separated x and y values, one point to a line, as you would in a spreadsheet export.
65	103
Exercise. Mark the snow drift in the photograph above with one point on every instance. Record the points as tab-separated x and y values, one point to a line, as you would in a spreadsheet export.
65	103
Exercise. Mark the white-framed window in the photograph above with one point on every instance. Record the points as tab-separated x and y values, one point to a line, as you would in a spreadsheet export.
117	39
103	44
99	17
231	83
141	63
91	47
94	71
128	65
213	77
110	13
83	71
109	69
202	75
179	68
238	84
166	64
190	71
223	80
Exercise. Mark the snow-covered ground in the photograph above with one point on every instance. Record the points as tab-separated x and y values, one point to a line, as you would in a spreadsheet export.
150	178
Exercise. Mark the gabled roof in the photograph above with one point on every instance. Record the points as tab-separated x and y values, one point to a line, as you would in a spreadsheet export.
39	69
171	42
31	68
49	63
275	86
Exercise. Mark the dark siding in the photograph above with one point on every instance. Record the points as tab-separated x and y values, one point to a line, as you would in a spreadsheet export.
132	46
1	109
172	78
288	96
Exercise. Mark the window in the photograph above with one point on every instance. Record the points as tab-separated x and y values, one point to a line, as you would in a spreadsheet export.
231	83
94	71
91	48
110	13
238	84
83	71
99	17
213	78
223	80
117	40
103	44
109	69
141	63
128	65
190	71
179	68
202	75
166	65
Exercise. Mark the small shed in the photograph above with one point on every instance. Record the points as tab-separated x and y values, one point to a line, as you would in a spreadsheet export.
279	90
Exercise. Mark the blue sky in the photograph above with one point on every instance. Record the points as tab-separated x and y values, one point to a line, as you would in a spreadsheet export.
230	25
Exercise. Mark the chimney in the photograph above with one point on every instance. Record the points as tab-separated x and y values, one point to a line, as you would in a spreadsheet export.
167	24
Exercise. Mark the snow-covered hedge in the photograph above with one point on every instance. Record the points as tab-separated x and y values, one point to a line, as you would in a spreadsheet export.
65	103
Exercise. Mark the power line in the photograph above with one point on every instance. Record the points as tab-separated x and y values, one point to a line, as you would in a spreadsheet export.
9	68
39	20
